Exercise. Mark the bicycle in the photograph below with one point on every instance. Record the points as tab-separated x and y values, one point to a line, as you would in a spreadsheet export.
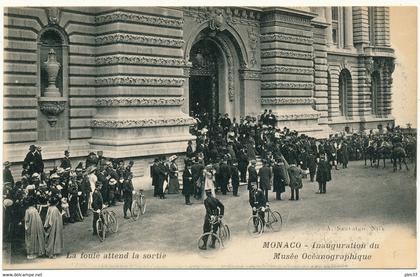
107	221
272	220
212	242
139	204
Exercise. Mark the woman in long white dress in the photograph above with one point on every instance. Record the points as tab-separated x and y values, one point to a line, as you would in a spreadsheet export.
209	178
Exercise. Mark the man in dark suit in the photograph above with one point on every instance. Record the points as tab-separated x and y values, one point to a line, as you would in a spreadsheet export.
224	176
257	201
271	119
187	183
153	174
65	162
161	177
252	174
97	205
242	163
213	208
7	174
234	173
197	174
265	178
128	194
323	174
29	163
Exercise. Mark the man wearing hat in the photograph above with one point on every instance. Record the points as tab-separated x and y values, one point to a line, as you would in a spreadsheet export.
224	176
97	205
213	208
29	163
128	194
7	174
265	178
187	183
323	174
65	162
234	173
257	200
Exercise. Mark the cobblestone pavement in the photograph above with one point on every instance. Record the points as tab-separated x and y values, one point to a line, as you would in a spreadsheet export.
357	195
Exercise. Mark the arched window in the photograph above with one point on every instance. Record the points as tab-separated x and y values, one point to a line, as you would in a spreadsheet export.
374	92
344	90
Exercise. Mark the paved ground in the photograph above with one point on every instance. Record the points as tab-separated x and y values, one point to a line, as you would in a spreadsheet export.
357	195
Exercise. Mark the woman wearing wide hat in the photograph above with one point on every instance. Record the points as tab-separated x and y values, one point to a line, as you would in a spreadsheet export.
173	186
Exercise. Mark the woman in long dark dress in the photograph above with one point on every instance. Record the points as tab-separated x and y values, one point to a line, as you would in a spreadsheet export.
173	186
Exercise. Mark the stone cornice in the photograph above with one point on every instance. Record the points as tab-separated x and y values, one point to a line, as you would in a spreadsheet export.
139	101
139	39
286	54
138	18
287	101
298	116
286	85
134	59
286	69
286	38
141	123
139	81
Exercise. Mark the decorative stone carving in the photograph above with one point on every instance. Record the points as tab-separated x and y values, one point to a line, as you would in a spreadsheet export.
53	14
286	69
142	39
139	81
217	21
298	116
250	74
52	107
369	66
287	101
133	59
138	18
52	67
225	15
286	85
231	81
286	54
139	101
253	43
286	38
142	123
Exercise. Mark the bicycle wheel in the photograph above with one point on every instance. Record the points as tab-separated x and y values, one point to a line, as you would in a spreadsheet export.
275	221
224	233
135	210
112	222
100	229
143	204
255	226
209	243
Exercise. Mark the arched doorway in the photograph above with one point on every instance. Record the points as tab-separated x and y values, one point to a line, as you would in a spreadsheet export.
215	86
203	85
344	90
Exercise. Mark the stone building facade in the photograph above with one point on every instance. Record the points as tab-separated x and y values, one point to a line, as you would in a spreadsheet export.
128	77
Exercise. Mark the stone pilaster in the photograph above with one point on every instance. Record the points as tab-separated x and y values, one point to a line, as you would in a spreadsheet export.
361	27
389	67
348	27
139	83
381	26
328	19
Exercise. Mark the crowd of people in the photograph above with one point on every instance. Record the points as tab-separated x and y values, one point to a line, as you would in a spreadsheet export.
224	155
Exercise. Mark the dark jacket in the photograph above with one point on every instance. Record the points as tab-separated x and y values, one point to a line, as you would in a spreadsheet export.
323	173
187	182
295	174
257	198
213	206
280	177
97	200
265	177
252	176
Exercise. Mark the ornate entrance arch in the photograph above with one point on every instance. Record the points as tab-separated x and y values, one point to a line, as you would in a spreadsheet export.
216	54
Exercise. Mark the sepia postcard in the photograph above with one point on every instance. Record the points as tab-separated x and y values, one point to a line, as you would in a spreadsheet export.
209	137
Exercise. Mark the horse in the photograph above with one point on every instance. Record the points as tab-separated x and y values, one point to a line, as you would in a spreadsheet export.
398	153
383	152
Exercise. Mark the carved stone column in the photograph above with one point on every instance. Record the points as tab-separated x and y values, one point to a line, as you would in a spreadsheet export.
328	19
348	28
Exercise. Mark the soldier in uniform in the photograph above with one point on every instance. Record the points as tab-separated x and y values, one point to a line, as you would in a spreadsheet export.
252	174
213	208
128	194
97	205
234	173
